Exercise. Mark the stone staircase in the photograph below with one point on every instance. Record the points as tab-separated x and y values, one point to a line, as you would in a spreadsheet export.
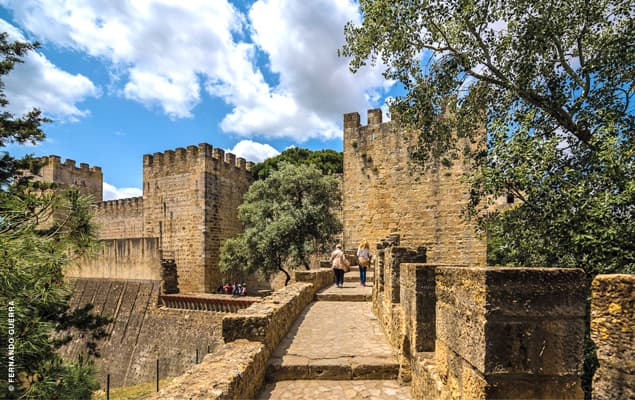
335	350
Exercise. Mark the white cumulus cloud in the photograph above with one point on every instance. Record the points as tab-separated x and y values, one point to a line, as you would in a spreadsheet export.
164	53
112	192
253	151
315	85
39	83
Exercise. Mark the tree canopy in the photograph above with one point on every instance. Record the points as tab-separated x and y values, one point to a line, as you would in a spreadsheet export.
327	161
42	229
552	83
287	216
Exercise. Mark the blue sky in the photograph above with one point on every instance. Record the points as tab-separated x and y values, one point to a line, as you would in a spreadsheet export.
125	78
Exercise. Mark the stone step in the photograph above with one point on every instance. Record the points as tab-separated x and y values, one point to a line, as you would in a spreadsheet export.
354	277
334	341
349	292
355	268
336	389
342	369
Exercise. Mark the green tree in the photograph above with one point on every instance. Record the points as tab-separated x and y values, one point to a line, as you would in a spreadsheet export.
42	229
327	161
552	83
287	216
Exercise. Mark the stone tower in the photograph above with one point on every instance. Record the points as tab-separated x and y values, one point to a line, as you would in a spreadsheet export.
89	180
190	201
384	195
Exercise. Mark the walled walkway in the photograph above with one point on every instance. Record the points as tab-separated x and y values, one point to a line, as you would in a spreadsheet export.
335	350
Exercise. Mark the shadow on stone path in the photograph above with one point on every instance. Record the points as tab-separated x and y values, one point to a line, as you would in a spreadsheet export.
335	350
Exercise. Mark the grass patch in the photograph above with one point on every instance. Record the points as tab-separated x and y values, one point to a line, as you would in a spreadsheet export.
131	392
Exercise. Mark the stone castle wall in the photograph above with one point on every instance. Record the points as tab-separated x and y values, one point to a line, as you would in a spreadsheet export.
190	203
189	207
120	219
384	195
131	258
87	179
141	332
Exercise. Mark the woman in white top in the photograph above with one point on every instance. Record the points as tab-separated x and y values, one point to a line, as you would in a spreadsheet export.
363	260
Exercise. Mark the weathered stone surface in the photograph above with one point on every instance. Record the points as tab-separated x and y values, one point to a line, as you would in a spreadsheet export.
336	390
613	332
493	330
492	315
234	371
141	332
426	383
340	340
383	194
374	368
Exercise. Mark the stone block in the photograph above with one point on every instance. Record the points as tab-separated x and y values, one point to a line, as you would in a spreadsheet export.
613	332
537	347
541	387
364	368
510	324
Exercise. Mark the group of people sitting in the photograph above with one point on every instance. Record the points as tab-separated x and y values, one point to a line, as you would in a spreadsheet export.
340	264
237	289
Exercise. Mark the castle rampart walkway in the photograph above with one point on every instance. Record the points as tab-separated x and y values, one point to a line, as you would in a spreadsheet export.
335	350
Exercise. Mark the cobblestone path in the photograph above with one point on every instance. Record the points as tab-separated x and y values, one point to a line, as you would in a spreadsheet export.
335	350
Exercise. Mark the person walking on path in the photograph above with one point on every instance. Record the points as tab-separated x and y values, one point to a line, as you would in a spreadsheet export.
363	260
338	263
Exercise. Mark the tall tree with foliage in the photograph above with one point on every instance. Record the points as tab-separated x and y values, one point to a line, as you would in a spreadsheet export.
42	229
287	216
552	83
327	161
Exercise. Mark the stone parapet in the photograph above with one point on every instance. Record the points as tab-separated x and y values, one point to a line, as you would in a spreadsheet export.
269	320
387	285
510	332
123	206
318	278
613	332
234	371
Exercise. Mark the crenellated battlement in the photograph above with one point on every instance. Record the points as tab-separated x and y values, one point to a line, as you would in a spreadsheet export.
56	161
128	205
187	157
88	179
352	120
361	137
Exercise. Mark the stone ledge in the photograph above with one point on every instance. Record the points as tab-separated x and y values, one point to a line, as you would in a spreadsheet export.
237	368
612	330
269	320
234	371
342	368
